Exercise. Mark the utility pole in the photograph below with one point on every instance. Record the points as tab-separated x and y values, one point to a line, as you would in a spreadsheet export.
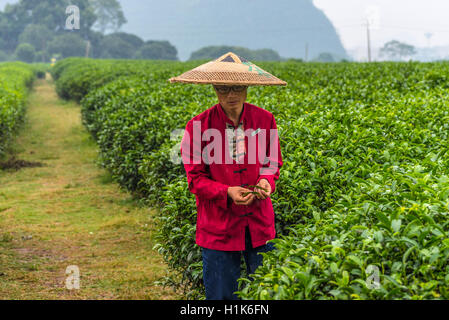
372	16
87	48
368	39
307	52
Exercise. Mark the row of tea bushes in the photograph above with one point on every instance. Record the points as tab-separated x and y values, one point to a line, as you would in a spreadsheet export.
385	218
132	120
16	79
75	77
380	159
41	69
363	187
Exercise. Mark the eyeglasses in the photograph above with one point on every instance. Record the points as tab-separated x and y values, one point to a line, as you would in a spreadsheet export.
227	89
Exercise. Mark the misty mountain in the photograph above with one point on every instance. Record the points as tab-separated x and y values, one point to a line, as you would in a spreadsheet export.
284	25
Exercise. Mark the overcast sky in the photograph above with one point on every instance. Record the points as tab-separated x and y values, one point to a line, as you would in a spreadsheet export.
403	20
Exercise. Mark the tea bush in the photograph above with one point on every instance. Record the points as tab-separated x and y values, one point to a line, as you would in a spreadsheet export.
363	193
78	76
40	69
16	79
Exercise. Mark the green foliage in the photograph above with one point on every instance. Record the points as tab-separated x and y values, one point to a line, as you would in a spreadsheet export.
76	79
157	50
213	52
50	14
62	65
176	237
36	35
67	45
4	56
363	196
117	47
42	25
395	49
325	57
25	52
41	69
121	45
15	80
135	41
109	15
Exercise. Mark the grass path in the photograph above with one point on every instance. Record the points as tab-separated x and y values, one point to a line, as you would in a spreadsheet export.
68	212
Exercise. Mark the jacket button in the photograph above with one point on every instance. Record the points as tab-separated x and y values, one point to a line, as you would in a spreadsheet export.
247	214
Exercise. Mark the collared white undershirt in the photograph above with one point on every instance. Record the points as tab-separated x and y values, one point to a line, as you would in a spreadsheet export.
236	141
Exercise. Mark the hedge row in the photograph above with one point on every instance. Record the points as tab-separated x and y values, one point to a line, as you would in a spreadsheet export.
16	79
78	76
362	201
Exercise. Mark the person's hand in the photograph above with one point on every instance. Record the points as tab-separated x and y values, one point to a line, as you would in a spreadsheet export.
241	196
265	192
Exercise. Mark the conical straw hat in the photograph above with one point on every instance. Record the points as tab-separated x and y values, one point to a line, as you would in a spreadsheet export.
229	69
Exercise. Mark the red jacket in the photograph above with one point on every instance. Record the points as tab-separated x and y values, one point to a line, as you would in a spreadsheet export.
221	223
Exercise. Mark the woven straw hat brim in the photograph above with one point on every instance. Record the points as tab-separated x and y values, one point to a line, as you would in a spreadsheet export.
238	72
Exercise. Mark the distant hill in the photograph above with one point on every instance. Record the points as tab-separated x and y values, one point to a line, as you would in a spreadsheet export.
213	52
284	25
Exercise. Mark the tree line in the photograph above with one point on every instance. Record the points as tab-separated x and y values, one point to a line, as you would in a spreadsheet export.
35	31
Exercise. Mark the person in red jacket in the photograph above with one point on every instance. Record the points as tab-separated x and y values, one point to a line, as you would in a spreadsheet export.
231	154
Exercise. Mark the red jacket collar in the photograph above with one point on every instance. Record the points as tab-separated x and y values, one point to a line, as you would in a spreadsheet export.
225	118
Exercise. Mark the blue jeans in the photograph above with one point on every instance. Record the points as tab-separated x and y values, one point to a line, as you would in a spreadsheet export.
221	269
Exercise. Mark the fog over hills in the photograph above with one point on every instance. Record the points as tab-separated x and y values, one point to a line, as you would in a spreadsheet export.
284	25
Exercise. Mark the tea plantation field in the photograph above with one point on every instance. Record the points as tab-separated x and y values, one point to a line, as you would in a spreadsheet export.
362	203
16	78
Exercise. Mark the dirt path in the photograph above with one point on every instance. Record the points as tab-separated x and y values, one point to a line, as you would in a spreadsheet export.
68	212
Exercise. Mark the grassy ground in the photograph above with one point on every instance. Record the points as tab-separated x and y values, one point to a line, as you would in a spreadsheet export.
68	212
